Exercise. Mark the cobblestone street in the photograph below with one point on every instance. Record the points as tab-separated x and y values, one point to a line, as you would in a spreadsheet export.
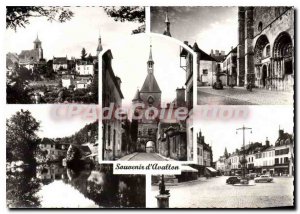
240	96
142	156
215	193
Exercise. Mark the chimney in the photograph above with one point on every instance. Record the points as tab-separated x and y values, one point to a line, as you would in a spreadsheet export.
186	43
267	142
217	52
222	52
180	97
212	52
231	47
119	81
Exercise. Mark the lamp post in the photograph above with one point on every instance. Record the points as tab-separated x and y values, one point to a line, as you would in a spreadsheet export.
244	151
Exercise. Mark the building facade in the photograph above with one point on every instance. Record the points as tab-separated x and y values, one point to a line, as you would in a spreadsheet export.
111	95
266	47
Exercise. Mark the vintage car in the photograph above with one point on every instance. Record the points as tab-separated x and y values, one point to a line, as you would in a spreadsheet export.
233	180
263	178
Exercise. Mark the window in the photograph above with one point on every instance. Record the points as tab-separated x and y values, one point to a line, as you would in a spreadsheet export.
260	26
276	160
268	51
205	71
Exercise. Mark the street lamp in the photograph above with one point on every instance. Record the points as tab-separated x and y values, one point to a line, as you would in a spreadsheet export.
244	150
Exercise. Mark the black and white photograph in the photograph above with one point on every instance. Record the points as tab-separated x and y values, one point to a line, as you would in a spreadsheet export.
247	163
52	52
144	82
245	55
58	168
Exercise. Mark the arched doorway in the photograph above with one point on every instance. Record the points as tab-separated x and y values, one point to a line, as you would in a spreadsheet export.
283	60
264	75
261	52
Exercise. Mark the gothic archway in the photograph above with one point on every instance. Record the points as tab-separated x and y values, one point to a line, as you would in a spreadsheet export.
283	54
260	51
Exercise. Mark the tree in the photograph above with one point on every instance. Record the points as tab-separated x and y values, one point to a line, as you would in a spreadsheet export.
125	13
21	138
226	153
19	16
17	90
83	54
130	14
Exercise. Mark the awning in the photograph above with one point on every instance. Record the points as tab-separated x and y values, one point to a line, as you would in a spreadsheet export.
211	169
188	169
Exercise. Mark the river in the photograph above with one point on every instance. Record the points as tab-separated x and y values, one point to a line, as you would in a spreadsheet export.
55	186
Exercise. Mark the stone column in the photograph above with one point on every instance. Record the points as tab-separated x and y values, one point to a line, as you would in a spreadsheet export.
241	47
249	50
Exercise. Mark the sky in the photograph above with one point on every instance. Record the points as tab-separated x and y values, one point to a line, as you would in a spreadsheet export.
50	126
264	121
211	27
130	57
61	39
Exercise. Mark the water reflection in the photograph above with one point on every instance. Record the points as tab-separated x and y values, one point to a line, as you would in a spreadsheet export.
56	186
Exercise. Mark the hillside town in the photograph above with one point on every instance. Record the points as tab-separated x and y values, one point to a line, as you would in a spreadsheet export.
32	79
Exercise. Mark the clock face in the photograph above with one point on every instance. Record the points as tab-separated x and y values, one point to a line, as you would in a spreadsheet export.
150	100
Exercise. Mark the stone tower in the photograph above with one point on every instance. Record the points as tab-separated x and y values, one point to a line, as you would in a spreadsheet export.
167	29
38	46
150	92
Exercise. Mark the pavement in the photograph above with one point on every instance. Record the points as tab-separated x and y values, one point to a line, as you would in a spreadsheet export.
142	156
215	193
241	96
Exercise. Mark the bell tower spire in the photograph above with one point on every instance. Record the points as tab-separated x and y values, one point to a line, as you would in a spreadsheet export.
99	48
150	61
167	29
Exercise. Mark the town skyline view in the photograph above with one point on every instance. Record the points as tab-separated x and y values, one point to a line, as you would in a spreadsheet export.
263	125
68	39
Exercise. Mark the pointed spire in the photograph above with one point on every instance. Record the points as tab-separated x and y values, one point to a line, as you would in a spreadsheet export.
167	17
167	29
99	47
150	53
37	38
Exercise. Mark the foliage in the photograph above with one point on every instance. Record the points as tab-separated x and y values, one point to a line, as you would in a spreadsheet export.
21	138
17	90
125	13
89	133
21	188
19	16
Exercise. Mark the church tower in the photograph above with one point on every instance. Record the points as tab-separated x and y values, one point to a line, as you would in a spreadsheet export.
38	46
167	29
99	48
150	92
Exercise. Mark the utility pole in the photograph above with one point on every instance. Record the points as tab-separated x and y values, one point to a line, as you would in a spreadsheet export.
244	150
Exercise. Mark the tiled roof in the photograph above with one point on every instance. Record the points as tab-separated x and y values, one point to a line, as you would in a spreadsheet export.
150	84
201	54
29	56
60	60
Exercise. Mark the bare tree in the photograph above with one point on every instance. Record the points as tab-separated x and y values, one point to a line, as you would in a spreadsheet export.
19	16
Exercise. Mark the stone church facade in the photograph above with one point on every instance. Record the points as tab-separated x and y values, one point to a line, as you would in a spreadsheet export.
265	55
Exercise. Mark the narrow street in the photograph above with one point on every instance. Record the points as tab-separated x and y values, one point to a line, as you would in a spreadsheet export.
142	156
240	96
215	193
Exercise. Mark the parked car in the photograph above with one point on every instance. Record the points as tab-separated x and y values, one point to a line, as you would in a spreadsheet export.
263	178
233	180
